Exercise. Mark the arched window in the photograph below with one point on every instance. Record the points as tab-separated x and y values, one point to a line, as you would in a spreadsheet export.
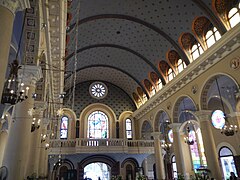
226	158
196	148
174	167
98	125
152	91
64	127
180	65
129	128
159	84
212	36
234	16
170	74
144	98
197	50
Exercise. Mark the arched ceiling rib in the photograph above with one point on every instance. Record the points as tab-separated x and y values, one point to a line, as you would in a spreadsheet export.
114	57
136	20
122	48
110	74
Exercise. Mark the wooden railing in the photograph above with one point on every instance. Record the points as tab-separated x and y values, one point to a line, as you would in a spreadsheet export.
103	145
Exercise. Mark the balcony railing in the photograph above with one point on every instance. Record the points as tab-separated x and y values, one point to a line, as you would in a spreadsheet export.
101	146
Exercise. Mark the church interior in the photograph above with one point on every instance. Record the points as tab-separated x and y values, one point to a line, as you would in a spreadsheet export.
120	89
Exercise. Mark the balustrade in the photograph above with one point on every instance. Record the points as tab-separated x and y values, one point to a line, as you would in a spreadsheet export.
100	142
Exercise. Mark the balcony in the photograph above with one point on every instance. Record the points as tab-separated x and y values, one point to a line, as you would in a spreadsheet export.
73	146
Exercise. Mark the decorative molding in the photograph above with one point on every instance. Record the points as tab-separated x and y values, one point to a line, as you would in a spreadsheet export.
229	42
29	75
15	5
156	135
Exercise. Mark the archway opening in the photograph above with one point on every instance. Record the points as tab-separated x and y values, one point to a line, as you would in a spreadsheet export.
97	171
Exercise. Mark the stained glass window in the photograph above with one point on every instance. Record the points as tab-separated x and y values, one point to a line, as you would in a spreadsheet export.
194	150
201	147
227	161
64	127
98	90
129	128
218	119
170	135
98	125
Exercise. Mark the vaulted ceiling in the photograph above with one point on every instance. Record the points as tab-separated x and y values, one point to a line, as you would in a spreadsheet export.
122	41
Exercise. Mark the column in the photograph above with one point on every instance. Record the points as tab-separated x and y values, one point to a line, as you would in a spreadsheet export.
181	151
160	170
209	144
35	143
17	148
43	161
3	141
145	167
7	12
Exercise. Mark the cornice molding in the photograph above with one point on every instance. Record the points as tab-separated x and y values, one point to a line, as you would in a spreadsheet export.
15	5
229	42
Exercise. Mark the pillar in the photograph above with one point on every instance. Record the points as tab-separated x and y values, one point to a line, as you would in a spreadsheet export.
3	141
209	144
35	142
7	13
181	151
43	161
160	170
145	167
17	148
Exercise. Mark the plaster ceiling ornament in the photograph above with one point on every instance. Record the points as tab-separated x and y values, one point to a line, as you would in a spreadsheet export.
169	105
194	89
60	112
235	63
98	90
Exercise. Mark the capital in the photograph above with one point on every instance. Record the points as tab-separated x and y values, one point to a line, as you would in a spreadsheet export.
29	75
175	126
156	135
203	115
15	5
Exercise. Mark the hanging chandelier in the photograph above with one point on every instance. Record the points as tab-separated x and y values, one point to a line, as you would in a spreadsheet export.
188	138
14	90
227	129
165	144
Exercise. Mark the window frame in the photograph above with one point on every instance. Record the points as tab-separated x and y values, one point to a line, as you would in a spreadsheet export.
183	64
66	129
198	49
224	156
129	130
231	17
214	35
172	74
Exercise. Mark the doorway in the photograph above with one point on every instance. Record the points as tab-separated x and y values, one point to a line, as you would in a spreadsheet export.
97	171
